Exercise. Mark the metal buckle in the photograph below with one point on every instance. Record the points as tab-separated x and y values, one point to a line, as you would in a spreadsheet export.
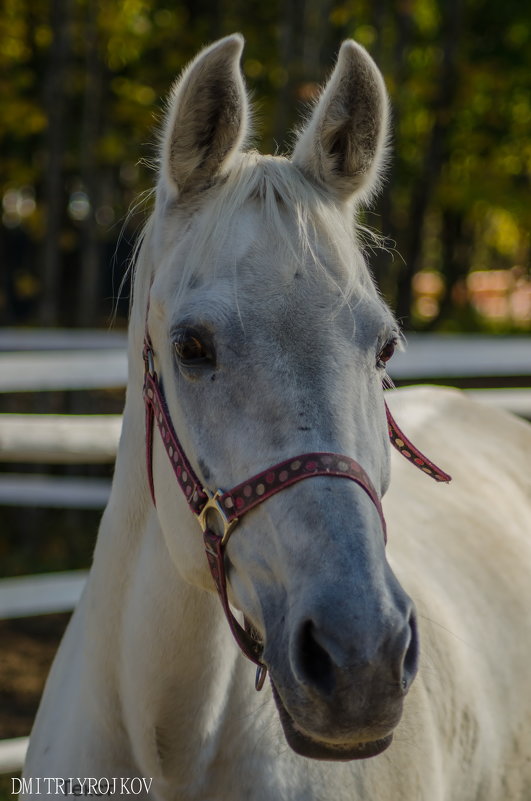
261	674
213	505
149	362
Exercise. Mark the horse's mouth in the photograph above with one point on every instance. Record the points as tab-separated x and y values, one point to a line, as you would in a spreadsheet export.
305	745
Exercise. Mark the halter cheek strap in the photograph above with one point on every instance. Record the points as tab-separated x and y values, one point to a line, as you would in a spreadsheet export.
410	452
230	506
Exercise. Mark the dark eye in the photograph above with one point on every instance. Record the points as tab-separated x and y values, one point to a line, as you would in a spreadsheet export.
386	352
192	348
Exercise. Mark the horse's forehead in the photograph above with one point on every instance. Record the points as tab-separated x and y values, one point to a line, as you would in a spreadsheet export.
252	234
250	258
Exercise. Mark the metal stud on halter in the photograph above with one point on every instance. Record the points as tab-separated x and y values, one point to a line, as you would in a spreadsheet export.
228	507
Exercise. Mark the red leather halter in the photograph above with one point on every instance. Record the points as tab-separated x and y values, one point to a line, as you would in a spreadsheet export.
232	505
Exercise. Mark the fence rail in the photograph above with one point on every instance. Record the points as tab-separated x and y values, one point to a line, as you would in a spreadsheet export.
49	593
13	754
59	438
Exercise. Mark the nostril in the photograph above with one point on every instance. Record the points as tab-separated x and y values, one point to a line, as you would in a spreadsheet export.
411	657
315	665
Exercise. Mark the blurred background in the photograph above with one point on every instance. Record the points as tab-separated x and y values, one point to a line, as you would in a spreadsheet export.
81	94
82	88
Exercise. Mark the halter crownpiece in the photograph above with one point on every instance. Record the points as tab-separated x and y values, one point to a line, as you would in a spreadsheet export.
230	506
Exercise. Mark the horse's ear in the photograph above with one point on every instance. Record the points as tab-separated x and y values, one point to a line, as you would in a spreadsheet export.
206	122
343	145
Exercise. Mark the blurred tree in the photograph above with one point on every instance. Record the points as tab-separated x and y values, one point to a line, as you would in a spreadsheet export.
435	151
55	108
90	170
80	80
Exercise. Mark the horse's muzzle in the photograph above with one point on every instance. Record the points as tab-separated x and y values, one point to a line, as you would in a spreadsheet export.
340	677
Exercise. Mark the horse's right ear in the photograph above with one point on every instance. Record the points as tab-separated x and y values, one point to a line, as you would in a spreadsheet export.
206	122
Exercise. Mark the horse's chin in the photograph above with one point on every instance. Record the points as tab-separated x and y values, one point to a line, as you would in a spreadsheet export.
305	745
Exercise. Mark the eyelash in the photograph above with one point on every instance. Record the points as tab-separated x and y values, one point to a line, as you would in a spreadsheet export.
386	353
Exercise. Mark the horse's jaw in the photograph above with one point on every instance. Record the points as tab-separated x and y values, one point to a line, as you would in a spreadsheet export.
304	744
369	742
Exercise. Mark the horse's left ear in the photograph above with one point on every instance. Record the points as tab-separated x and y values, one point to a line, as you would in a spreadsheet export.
207	118
343	146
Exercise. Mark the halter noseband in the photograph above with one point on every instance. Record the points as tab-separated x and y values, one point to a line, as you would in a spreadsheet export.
230	506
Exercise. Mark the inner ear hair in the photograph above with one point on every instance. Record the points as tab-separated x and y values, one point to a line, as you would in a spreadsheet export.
343	145
207	118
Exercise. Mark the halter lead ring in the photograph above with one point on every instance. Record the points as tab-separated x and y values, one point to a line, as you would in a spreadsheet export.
230	506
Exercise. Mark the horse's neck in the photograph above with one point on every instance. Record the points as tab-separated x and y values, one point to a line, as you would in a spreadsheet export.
156	651
176	661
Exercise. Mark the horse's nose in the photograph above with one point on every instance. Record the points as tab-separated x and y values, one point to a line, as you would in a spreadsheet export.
325	661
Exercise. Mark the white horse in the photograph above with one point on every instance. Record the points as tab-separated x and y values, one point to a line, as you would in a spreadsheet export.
257	314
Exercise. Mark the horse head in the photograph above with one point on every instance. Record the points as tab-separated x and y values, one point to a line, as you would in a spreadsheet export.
271	340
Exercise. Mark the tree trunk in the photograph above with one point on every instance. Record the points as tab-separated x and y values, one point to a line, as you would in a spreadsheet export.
396	62
292	31
434	157
54	190
89	283
456	249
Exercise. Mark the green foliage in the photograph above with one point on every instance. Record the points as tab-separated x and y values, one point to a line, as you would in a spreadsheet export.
458	73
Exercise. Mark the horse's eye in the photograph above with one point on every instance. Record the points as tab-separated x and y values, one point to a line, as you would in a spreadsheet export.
386	352
192	349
